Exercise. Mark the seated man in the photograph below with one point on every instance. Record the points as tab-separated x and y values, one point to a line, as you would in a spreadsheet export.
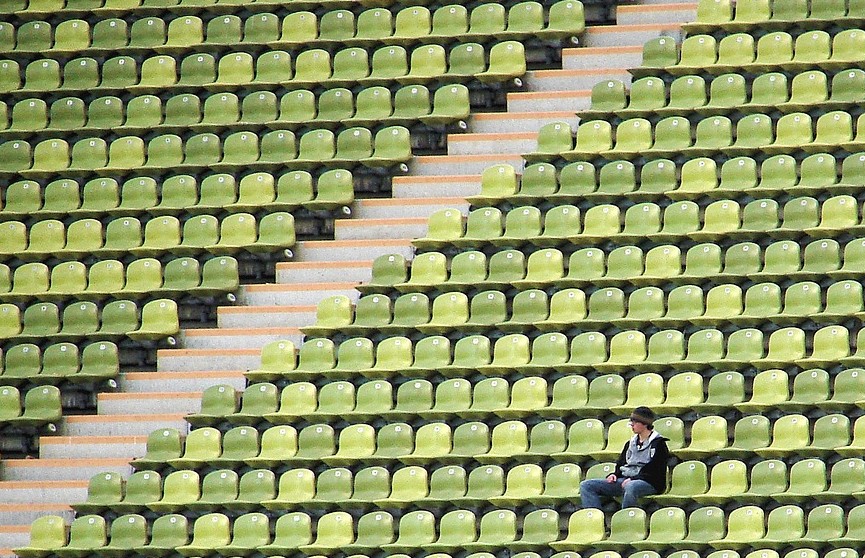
641	469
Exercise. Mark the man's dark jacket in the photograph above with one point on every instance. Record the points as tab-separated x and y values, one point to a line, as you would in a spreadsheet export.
655	471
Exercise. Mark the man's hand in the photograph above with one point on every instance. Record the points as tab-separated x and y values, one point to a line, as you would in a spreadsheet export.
611	478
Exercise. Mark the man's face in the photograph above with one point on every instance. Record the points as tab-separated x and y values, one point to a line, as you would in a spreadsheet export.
638	427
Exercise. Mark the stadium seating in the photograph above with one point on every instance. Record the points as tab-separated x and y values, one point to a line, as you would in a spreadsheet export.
693	242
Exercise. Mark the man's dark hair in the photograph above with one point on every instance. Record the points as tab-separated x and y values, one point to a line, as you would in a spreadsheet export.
644	415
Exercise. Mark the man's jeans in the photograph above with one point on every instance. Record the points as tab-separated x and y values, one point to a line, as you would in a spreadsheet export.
592	490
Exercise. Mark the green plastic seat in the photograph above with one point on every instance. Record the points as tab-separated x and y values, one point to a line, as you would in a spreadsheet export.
845	478
334	530
202	445
373	529
666	526
767	479
749	433
47	534
179	489
197	70
295	486
291	531
807	477
274	67
162	444
128	533
67	113
585	528
744	525
659	53
337	25
769	387
217	487
373	25
11	73
209	531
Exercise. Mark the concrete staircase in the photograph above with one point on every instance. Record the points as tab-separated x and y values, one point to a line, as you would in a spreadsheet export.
108	440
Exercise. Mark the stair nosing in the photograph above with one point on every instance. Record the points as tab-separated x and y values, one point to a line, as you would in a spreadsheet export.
308	286
232	331
122	418
168	353
82	440
179	375
267	309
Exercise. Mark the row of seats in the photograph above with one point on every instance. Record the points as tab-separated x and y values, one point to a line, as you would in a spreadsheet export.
770	479
225	489
652	97
497	396
414	485
30	9
42	322
487	398
58	363
533	309
434	442
39	407
238	151
177	194
660	178
714	14
744	52
313	68
413	24
588	351
461	529
111	278
754	133
160	236
623	265
789	436
566	224
294	109
27	9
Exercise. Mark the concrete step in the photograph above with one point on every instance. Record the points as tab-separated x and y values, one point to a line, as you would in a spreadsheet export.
121	425
509	122
301	294
24	492
655	2
563	80
161	402
459	185
656	13
388	208
324	271
61	469
635	34
237	338
437	165
13	536
197	381
571	101
599	58
492	143
335	250
265	316
24	514
372	229
193	360
92	447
